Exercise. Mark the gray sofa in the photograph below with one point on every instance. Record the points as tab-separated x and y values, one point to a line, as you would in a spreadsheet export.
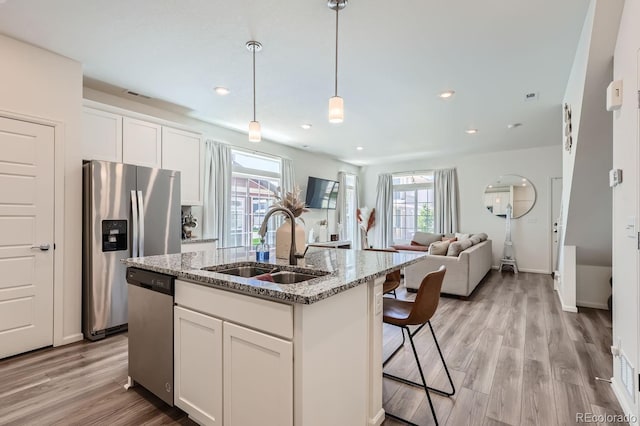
464	271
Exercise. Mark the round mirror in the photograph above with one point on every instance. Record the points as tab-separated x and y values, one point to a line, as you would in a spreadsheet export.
509	191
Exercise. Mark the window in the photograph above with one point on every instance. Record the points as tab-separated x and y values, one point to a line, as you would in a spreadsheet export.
254	183
412	205
350	225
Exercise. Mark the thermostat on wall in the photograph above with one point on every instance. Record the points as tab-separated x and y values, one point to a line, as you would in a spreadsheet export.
614	95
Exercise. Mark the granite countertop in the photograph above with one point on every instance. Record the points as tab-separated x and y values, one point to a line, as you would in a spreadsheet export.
345	268
198	240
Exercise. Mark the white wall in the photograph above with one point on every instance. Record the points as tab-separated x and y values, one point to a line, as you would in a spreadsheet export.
531	233
47	87
306	163
625	198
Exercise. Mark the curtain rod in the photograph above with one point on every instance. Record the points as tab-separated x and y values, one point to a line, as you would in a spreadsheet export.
251	151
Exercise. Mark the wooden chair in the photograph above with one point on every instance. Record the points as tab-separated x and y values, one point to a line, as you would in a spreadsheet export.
392	281
403	313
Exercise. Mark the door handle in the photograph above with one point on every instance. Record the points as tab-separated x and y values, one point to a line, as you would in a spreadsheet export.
43	247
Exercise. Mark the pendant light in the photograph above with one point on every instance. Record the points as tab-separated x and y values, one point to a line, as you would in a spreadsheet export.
254	126
336	103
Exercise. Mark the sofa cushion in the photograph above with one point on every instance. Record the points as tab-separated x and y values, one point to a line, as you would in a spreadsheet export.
461	237
475	239
439	248
426	238
410	247
458	247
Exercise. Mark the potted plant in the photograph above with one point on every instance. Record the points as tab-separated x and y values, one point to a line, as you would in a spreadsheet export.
366	221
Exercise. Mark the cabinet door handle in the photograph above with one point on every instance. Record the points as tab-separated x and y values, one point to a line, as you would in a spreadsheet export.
43	247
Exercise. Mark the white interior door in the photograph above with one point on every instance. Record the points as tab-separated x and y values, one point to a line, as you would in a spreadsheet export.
26	236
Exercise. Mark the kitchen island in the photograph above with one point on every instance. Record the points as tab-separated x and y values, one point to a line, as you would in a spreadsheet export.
249	351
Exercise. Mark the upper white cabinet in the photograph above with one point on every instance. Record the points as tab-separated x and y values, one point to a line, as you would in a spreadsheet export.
108	134
182	151
141	143
101	135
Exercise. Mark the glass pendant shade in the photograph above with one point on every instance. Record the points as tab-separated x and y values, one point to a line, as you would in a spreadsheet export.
336	109
254	132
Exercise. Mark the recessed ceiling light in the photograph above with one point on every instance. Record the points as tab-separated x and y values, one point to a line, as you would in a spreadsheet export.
222	91
524	180
359	148
447	94
490	186
524	184
306	126
513	125
471	131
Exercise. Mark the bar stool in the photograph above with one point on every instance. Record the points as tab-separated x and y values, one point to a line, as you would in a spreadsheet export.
403	313
392	281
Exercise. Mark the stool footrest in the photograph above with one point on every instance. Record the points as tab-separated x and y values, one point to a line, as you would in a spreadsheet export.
416	384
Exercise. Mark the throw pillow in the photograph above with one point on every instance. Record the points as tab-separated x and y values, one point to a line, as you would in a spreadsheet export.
458	247
475	239
482	236
450	239
461	237
426	238
415	243
439	248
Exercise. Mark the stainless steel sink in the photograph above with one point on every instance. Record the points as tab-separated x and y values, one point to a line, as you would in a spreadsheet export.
289	277
243	271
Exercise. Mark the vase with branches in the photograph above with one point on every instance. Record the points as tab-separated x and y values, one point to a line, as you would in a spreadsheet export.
366	220
291	201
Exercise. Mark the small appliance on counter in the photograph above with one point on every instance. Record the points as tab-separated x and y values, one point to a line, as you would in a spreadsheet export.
189	224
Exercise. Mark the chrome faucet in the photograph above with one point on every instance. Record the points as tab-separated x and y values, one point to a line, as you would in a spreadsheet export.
263	230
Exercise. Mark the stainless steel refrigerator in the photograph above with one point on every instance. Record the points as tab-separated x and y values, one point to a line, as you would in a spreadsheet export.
128	211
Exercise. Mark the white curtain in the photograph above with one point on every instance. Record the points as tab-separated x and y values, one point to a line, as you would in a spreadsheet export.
357	235
383	229
288	176
217	192
349	225
445	215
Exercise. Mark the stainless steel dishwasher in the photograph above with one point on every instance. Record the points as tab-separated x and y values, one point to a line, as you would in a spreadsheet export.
151	299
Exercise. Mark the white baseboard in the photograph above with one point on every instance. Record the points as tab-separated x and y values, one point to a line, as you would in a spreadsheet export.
620	393
565	307
71	339
378	419
594	305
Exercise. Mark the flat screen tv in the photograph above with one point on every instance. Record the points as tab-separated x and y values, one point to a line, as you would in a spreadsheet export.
321	193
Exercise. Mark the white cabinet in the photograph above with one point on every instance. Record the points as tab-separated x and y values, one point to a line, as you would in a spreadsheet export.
258	378
198	365
101	135
141	143
237	346
182	151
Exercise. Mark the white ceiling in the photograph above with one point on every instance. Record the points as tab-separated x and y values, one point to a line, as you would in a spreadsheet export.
395	57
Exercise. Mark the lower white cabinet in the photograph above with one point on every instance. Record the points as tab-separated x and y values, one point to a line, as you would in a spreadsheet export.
258	378
216	361
198	365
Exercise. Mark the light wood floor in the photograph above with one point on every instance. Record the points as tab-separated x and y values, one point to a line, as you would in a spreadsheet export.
515	357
